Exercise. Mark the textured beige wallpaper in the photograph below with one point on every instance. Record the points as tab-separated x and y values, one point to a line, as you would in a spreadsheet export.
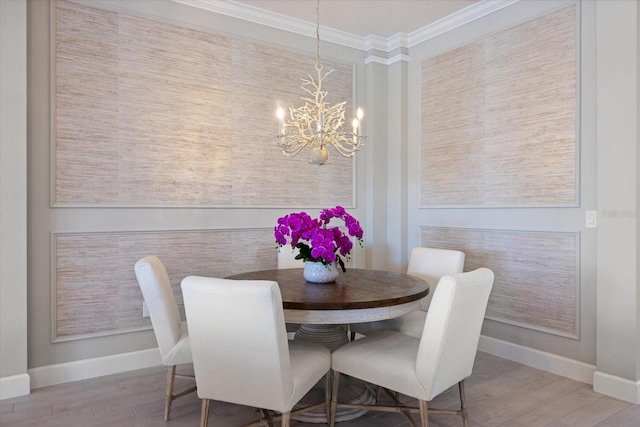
536	274
498	118
150	113
95	288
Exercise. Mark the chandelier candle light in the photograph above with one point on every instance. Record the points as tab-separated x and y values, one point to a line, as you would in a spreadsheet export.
316	124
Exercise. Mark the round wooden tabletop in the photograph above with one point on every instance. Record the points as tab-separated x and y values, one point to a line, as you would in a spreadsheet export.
353	290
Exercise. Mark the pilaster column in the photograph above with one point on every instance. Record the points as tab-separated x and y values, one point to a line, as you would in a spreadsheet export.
618	291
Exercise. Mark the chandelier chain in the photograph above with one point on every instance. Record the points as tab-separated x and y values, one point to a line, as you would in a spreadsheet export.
318	63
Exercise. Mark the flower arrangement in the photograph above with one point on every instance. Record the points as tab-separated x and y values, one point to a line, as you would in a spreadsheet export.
315	239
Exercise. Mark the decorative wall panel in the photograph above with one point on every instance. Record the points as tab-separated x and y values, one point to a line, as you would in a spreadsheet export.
95	288
499	118
536	274
150	113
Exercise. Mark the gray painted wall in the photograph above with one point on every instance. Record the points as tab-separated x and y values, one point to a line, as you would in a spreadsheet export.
13	184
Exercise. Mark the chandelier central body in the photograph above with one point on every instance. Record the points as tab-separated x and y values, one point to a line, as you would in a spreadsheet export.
316	124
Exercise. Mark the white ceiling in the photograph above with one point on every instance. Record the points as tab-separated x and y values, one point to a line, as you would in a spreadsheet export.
383	18
368	25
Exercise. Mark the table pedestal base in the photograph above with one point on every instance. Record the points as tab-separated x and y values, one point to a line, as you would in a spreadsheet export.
330	336
351	390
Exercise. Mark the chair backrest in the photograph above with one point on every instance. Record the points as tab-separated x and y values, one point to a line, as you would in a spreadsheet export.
452	330
238	341
431	264
161	303
287	257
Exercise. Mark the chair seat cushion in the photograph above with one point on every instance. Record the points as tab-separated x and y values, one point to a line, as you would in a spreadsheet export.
410	324
309	363
386	358
181	352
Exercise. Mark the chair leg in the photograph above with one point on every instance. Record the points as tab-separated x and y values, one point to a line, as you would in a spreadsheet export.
327	394
169	396
334	398
424	413
463	407
353	336
286	419
265	415
204	413
171	376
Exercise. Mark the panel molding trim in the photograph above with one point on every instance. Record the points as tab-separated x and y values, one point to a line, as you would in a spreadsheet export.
536	274
150	113
94	288
500	120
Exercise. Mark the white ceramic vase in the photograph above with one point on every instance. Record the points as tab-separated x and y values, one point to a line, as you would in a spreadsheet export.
317	272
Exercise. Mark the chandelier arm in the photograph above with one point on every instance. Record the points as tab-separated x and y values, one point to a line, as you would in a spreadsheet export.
347	154
346	151
291	148
292	152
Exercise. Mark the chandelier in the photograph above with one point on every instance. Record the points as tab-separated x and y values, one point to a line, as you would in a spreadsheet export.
316	124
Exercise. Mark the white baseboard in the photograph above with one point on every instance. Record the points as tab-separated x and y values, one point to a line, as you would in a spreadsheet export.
14	386
89	368
19	385
620	388
559	365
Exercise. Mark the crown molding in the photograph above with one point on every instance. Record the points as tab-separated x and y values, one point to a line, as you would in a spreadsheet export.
398	40
371	42
457	19
275	20
386	61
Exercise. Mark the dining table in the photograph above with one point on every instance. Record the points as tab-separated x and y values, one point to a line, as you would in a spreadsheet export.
324	310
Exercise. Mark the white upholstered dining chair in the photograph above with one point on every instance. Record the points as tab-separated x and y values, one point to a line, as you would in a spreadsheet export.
171	333
429	264
287	259
422	367
240	349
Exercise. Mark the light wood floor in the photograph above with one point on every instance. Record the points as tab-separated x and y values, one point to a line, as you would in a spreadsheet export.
499	393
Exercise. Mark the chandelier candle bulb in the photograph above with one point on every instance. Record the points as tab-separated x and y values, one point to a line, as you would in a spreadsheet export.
280	114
